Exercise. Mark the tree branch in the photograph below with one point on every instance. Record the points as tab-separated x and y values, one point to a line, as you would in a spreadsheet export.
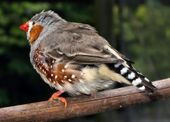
82	105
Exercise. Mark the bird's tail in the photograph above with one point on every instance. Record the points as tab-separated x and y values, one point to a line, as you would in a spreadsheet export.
134	77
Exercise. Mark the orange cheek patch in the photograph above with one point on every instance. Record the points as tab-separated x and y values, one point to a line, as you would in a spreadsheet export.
35	32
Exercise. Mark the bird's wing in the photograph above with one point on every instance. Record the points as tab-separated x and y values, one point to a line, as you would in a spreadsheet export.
124	57
81	44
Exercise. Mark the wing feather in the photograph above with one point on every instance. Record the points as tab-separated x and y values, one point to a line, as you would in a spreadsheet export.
79	43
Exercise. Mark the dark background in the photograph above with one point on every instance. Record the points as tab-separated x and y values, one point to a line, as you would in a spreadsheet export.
138	28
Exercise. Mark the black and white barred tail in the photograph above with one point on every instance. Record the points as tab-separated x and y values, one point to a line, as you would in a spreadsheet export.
135	77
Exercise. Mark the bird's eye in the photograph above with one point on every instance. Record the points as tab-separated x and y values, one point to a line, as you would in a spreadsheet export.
33	23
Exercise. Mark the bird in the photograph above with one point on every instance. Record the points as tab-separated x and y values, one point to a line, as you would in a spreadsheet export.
72	57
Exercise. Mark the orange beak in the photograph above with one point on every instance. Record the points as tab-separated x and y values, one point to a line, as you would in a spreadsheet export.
24	27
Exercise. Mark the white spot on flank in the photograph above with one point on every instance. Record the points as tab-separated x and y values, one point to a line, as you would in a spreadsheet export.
106	85
73	76
136	81
62	70
52	75
82	74
124	70
131	75
66	66
146	79
69	80
142	88
40	68
65	76
53	61
117	65
56	76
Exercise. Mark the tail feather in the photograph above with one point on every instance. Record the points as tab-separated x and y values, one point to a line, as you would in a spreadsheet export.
136	78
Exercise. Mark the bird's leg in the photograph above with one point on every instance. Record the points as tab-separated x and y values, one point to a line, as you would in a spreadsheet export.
56	95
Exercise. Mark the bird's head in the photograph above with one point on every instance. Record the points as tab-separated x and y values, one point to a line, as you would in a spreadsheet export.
38	23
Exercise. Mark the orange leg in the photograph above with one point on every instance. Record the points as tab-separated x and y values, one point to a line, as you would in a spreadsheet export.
56	96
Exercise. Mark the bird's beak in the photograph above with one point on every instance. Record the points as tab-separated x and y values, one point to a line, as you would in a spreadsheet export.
24	27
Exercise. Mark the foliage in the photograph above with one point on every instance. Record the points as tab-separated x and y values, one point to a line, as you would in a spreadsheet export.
147	32
147	35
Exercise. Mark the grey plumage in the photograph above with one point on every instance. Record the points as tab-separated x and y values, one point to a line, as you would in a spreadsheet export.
79	45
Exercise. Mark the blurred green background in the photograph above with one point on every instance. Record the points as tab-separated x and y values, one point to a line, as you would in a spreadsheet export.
139	29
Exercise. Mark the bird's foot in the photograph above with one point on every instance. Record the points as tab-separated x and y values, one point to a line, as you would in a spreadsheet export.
56	96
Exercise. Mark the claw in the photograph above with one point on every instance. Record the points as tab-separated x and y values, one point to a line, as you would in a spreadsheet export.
56	96
63	100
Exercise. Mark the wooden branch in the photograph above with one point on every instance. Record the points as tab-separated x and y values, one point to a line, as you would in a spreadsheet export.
82	105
